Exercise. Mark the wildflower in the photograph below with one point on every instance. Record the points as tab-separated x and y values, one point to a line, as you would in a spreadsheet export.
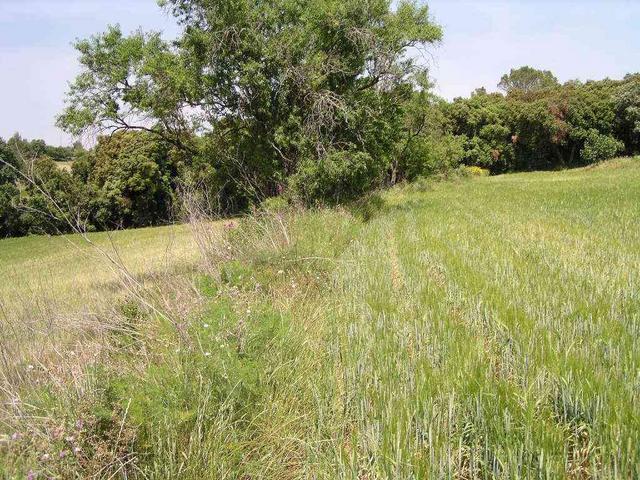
70	438
77	450
206	325
62	454
45	457
16	436
32	475
207	354
280	272
79	424
30	367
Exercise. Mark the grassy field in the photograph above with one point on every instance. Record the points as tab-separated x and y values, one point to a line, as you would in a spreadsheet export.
74	271
479	328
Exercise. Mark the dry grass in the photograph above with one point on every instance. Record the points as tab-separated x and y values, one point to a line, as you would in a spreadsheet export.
73	272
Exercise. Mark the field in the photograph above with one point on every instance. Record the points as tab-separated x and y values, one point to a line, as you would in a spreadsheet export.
471	328
70	269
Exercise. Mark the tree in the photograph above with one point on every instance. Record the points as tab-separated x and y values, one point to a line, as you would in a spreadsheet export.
483	122
9	194
427	145
133	177
269	86
31	149
526	80
627	104
52	201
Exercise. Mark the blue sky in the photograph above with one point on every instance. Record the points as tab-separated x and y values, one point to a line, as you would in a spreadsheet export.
585	39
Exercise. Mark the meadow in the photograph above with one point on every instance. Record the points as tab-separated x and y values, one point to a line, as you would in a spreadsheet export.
73	271
470	328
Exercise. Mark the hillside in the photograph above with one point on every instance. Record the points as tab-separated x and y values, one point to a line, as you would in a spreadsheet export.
471	328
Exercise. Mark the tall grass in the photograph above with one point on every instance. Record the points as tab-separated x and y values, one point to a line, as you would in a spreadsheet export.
484	328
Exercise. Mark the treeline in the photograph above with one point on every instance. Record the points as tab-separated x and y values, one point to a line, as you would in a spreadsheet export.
539	124
312	101
127	180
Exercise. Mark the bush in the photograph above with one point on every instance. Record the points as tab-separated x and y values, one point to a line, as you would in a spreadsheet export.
432	154
598	147
339	176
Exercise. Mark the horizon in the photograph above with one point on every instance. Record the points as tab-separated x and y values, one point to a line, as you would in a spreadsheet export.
590	40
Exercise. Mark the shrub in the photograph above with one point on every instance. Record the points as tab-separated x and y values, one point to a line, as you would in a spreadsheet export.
599	147
432	154
337	177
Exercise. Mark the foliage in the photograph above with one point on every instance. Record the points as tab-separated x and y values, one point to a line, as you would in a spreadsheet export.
525	80
31	149
556	126
339	176
53	201
9	193
599	147
483	122
627	104
272	87
134	178
426	145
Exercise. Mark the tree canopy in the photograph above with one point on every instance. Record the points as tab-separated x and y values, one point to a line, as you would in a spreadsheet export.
527	80
271	86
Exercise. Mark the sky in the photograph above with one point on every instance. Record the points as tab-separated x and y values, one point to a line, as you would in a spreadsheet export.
483	39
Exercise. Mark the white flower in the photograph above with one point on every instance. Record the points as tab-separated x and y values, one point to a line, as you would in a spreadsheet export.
206	325
207	354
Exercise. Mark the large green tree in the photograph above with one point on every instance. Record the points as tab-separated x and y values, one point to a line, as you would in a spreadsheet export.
272	87
132	176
